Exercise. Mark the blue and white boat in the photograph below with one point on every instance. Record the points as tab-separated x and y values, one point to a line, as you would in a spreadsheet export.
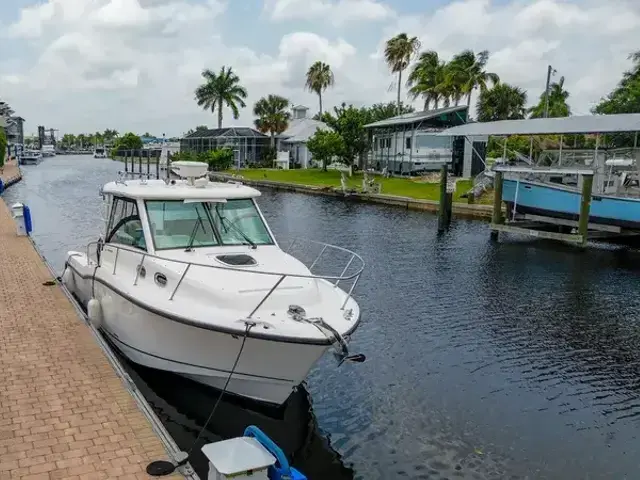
549	190
561	201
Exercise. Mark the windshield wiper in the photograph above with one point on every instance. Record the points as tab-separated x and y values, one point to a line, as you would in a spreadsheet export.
228	223
192	238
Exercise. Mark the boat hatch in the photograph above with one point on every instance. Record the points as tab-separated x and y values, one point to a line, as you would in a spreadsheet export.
237	260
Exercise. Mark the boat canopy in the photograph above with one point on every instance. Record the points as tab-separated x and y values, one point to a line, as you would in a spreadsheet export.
179	190
624	122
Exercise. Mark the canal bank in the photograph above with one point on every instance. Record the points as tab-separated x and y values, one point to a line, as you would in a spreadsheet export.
462	210
68	409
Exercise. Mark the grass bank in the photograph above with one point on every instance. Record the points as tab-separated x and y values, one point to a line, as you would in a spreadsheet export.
415	187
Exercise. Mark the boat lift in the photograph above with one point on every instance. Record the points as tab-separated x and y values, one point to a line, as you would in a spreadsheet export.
542	226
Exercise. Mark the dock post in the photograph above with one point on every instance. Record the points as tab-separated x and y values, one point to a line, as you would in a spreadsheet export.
442	207
585	206
497	203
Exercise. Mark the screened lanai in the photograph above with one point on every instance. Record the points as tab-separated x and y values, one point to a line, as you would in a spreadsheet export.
248	145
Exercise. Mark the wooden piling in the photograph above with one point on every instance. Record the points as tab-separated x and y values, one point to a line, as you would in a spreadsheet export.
442	207
585	206
497	203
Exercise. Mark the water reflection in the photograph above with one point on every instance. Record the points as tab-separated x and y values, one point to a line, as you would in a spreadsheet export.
184	406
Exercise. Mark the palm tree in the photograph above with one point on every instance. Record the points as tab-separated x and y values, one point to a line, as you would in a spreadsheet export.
221	89
428	79
502	102
319	78
467	70
398	53
558	106
273	117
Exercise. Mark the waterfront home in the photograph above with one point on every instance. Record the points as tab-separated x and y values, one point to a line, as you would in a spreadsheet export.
408	144
294	139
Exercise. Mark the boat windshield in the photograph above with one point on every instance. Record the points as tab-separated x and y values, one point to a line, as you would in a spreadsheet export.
179	224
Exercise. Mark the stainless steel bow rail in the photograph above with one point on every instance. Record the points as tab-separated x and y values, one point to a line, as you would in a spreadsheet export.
326	247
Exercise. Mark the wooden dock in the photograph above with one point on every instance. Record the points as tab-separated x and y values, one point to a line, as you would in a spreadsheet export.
64	411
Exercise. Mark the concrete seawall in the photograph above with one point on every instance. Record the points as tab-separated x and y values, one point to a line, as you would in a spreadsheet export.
463	210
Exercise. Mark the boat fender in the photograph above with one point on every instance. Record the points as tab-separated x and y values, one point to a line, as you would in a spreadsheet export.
281	470
68	280
28	223
94	312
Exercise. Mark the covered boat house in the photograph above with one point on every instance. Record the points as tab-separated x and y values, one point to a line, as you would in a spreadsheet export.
248	145
408	144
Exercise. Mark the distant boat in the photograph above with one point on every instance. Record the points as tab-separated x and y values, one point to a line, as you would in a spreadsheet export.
30	157
48	151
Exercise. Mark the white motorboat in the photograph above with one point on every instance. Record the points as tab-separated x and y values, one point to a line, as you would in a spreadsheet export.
190	279
30	157
99	152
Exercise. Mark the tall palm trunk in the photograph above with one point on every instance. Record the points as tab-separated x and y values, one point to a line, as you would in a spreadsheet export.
220	113
320	99
399	87
469	101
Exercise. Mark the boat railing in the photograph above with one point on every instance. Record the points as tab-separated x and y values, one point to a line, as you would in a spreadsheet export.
351	270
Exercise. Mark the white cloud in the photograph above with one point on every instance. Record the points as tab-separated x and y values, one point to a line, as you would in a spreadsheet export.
338	12
134	64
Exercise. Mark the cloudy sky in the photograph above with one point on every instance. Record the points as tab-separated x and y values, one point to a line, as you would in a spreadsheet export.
87	65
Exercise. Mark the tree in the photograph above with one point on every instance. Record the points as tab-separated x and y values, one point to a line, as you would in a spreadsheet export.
319	78
625	98
273	117
383	111
129	141
324	145
467	71
3	147
221	89
502	102
427	79
398	53
558	106
349	122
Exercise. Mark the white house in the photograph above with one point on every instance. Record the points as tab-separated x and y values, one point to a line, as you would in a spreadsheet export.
294	138
407	143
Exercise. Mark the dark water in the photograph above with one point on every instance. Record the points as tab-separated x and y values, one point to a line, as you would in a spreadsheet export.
517	359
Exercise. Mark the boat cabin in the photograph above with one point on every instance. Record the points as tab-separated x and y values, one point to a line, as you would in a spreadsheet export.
158	215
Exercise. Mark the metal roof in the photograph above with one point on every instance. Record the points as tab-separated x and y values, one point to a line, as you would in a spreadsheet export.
625	122
409	118
302	129
229	132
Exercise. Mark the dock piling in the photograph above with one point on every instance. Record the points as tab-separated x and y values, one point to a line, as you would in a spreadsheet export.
442	207
496	218
585	206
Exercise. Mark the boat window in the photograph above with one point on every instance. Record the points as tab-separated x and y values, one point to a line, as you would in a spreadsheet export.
125	226
173	223
238	222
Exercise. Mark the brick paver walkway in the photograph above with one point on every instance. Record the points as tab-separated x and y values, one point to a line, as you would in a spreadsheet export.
64	413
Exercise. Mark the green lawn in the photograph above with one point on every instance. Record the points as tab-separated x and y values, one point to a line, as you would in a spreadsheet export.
403	187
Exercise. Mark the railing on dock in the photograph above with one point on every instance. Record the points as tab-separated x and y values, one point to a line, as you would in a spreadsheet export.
324	251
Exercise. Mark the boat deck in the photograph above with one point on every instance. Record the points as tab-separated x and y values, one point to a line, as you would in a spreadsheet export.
64	412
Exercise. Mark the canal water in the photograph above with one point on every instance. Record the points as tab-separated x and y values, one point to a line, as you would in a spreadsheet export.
518	359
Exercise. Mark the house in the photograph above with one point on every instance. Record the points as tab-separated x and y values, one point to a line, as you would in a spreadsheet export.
294	138
407	144
14	129
249	145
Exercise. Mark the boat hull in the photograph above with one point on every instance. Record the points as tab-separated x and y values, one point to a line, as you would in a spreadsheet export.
562	202
267	370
